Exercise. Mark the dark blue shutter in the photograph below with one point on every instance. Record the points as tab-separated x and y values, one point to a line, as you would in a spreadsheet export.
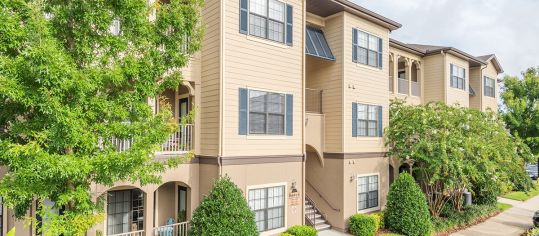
354	45
289	115
380	52
243	108
354	119
244	16
380	121
289	19
464	82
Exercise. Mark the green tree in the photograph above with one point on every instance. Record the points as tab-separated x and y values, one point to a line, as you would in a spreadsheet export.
224	211
70	83
454	149
521	113
406	210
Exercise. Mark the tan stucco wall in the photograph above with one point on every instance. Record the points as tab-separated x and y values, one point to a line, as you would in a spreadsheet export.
271	174
364	84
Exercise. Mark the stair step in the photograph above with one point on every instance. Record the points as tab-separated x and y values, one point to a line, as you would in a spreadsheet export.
321	227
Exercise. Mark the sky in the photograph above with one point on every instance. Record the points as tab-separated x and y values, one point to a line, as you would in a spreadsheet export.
507	28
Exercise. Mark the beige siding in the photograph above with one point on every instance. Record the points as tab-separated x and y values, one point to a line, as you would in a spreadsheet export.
490	102
251	62
364	84
327	76
476	83
434	78
210	80
457	96
192	72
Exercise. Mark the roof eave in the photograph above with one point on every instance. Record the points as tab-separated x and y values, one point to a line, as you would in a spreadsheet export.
377	18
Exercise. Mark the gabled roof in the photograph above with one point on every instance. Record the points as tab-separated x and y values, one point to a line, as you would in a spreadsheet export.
326	8
433	49
492	58
405	47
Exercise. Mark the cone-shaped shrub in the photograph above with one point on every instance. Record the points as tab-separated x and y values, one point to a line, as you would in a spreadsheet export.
406	210
224	211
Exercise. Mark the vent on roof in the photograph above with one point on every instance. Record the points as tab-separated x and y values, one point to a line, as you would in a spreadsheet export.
472	92
316	44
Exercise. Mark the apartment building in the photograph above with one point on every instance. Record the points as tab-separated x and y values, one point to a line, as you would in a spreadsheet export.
291	99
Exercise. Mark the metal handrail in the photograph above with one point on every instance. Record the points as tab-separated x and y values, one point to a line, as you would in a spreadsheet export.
313	214
132	233
323	198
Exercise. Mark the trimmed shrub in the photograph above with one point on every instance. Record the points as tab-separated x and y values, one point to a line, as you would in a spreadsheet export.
362	225
301	230
451	219
379	219
285	234
224	211
406	209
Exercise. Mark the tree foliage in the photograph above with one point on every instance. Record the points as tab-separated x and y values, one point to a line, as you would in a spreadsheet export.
454	149
406	210
224	211
69	84
521	112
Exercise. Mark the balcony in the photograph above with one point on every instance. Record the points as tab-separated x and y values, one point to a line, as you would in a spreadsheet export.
416	89
132	233
178	229
403	86
313	101
180	142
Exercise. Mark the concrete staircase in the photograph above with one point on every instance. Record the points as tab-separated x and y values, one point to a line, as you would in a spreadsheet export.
314	217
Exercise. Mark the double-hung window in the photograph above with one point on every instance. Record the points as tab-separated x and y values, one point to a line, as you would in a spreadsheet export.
268	206
367	192
368	120
266	112
458	77
366	49
490	87
266	19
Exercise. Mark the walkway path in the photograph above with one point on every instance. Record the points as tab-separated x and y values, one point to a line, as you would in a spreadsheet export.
513	221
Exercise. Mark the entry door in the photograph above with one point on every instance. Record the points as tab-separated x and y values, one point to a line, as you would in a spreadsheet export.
182	204
184	107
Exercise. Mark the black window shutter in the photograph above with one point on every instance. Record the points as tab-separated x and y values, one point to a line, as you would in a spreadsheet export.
244	16
354	119
354	45
289	115
380	52
289	28
243	111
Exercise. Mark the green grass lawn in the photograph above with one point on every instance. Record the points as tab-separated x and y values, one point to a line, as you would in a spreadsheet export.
523	196
503	206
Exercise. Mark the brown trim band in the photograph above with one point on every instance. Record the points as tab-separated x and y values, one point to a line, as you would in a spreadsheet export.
243	160
210	160
353	155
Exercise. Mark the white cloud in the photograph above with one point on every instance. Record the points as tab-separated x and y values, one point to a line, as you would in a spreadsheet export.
508	28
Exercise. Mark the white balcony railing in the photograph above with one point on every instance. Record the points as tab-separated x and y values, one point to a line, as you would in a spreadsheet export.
403	86
180	141
416	90
132	233
178	229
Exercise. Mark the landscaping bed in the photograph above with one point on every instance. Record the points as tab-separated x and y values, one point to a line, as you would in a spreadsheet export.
452	221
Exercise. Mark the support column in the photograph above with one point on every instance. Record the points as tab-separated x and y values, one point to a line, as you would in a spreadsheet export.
395	74
409	76
149	211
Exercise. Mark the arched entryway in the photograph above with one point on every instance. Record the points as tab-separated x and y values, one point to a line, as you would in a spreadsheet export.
125	210
172	204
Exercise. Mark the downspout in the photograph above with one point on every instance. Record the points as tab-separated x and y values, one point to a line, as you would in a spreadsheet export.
221	89
304	158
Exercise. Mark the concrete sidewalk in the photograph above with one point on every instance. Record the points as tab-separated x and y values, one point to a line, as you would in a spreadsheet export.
511	222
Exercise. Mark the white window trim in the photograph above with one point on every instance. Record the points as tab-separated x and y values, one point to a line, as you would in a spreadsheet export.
357	193
466	75
285	225
266	136
366	66
266	40
484	86
371	138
